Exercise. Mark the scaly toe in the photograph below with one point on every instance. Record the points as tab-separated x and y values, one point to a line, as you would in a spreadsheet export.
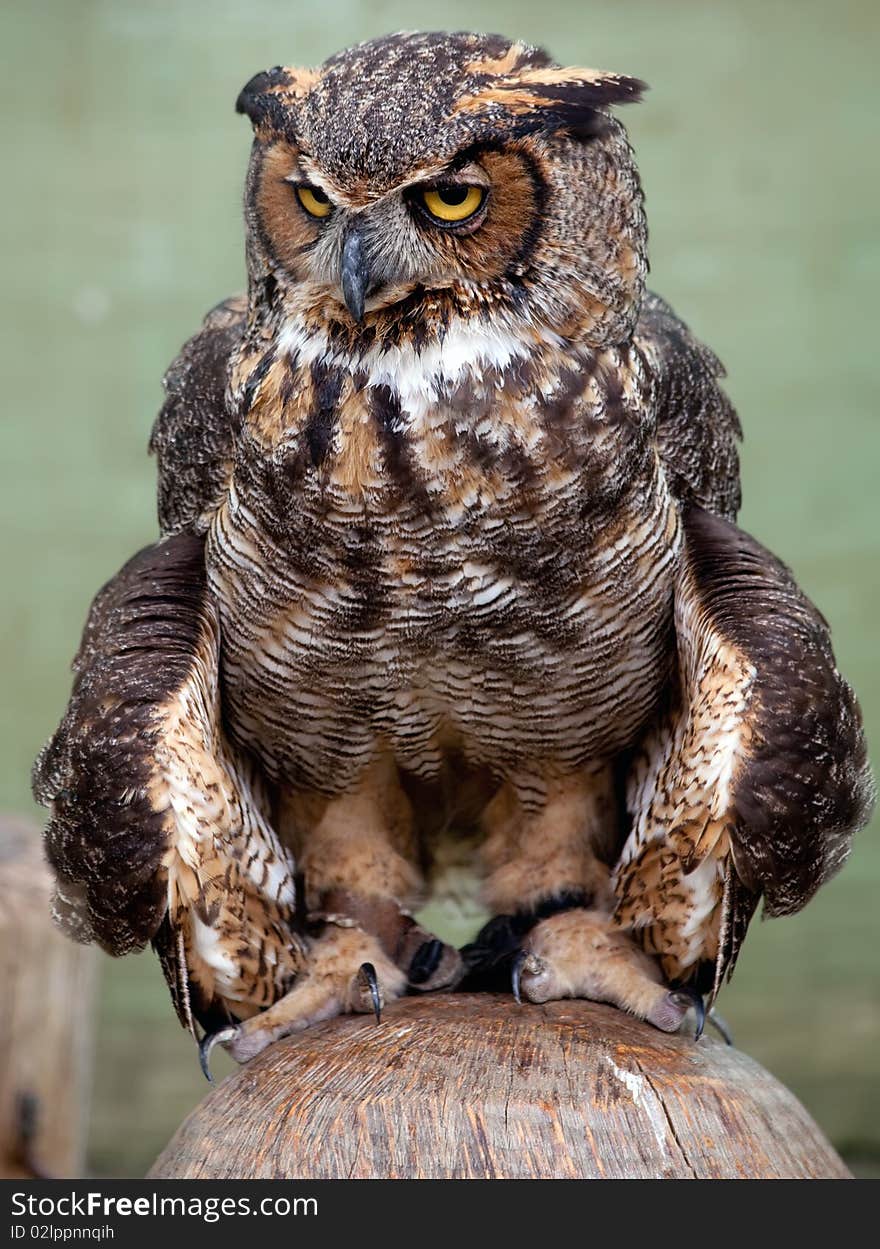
670	1010
532	978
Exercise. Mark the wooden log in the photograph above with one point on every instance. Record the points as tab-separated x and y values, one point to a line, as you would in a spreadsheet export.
468	1086
47	990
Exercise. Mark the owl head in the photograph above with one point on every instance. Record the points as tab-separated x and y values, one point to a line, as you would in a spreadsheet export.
421	177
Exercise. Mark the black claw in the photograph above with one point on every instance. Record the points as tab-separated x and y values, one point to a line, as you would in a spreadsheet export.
515	974
700	1011
696	1001
690	997
425	961
206	1045
368	971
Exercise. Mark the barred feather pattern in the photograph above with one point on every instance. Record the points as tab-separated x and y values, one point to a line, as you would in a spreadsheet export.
231	897
473	542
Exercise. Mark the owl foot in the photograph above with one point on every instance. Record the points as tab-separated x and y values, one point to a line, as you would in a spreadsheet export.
347	973
426	961
580	954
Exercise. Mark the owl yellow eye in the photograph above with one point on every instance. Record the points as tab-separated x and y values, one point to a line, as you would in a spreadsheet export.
453	203
314	201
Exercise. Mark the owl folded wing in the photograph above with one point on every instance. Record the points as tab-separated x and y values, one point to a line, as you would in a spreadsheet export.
698	430
756	778
159	828
194	434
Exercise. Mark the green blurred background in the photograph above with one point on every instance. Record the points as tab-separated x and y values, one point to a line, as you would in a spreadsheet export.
121	225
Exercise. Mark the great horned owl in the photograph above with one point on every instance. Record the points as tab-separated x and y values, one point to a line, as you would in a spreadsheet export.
448	573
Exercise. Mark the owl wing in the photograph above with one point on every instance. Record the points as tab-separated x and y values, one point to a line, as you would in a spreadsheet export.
756	778
194	433
159	828
697	427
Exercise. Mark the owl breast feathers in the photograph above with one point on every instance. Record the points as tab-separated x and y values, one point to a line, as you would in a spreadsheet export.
449	597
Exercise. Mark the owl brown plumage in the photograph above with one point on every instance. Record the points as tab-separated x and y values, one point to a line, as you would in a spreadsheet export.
449	575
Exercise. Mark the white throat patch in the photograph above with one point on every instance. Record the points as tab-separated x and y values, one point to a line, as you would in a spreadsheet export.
423	376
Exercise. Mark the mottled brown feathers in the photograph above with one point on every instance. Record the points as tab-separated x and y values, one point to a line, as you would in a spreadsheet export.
193	434
105	839
697	428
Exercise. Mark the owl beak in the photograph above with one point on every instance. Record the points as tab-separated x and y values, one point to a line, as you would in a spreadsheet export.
354	272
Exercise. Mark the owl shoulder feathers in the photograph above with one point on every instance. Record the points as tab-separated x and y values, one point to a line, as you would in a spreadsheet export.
697	426
194	432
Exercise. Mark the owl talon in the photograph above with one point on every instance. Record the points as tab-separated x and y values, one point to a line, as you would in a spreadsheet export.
580	953
532	966
427	962
700	1012
515	974
367	974
668	1013
206	1045
337	979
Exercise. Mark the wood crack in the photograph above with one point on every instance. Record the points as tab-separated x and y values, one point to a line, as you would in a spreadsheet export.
666	1115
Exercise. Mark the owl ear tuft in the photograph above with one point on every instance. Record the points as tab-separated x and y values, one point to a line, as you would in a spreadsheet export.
547	97
269	96
253	99
595	88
